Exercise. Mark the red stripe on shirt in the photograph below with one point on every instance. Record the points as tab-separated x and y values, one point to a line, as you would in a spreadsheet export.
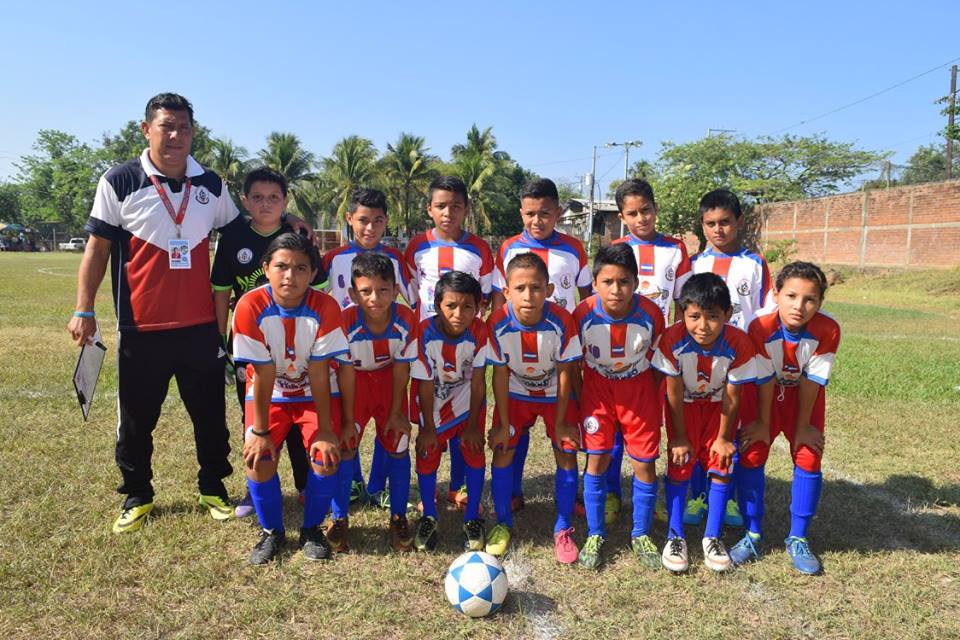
721	266
618	340
529	347
646	259
445	259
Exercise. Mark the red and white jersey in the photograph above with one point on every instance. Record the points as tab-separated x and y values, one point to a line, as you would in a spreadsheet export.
371	351
564	256
532	352
450	363
618	349
265	332
789	356
747	277
731	359
428	257
663	267
337	267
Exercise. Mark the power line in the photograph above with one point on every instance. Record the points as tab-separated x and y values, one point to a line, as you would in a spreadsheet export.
543	164
869	97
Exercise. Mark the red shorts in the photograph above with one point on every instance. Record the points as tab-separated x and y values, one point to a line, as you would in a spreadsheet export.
523	415
430	462
283	415
783	419
632	404
702	420
372	400
413	404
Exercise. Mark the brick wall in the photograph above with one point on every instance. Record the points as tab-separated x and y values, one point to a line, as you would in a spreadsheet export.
915	226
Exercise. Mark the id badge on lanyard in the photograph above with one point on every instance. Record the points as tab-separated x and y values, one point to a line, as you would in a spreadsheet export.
178	249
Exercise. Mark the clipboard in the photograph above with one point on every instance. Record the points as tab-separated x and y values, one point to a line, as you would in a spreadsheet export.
87	372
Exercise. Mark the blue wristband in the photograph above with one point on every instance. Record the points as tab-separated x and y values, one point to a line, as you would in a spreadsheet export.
84	314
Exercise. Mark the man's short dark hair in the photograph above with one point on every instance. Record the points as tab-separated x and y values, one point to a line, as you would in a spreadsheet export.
707	291
540	188
721	199
449	183
264	174
293	242
168	101
634	187
528	260
364	197
456	282
371	264
620	254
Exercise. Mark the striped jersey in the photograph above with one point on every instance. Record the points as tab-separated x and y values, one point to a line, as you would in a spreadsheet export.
662	266
337	268
371	351
265	332
451	364
788	356
618	349
565	259
747	277
532	352
428	257
731	359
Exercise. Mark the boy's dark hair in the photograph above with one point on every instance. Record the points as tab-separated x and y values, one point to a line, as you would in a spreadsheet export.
371	264
456	282
620	254
449	183
540	188
293	242
364	197
169	101
637	187
528	260
264	174
804	270
721	199
707	291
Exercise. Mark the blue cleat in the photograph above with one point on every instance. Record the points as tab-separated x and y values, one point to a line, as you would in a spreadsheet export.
695	511
746	550
731	515
803	559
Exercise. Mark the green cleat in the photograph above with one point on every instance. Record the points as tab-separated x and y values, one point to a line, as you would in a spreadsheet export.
591	555
498	540
219	507
426	537
473	535
646	552
695	511
132	519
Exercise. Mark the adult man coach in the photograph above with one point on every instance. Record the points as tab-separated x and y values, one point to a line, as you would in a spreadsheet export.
152	218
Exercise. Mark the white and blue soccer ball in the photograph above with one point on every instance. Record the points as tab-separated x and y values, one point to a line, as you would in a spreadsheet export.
476	584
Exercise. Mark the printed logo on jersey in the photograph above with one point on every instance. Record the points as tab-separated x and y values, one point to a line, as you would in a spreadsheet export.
340	282
244	256
595	351
202	196
646	269
565	281
744	287
591	425
669	273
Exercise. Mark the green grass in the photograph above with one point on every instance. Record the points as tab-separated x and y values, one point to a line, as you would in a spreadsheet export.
888	530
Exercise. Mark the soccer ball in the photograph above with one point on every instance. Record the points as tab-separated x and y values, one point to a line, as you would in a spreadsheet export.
476	584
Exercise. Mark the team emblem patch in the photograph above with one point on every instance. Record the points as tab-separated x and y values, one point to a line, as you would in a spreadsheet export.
669	274
591	425
244	256
565	281
202	196
743	288
340	281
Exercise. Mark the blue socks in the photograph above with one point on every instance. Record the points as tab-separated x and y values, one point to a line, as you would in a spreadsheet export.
268	502
475	490
804	498
457	465
398	470
616	463
317	497
698	481
501	486
751	486
716	507
341	495
594	497
644	502
676	501
378	469
519	460
428	488
565	492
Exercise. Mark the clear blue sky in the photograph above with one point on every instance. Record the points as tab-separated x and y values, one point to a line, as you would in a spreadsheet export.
552	78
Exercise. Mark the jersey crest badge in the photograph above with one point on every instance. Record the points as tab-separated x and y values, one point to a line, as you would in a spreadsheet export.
669	273
743	288
202	197
565	281
591	425
244	256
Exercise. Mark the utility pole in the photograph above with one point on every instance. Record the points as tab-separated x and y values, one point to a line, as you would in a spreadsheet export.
590	180
626	163
950	111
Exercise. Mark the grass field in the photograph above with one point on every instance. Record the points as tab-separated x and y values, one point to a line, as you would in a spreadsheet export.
888	530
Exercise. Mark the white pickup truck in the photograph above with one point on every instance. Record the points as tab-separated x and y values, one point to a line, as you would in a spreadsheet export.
74	244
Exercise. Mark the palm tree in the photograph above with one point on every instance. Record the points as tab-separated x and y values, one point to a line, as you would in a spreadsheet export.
351	164
406	169
229	161
477	163
285	155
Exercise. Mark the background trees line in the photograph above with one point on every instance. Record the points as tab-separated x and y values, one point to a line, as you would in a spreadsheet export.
57	181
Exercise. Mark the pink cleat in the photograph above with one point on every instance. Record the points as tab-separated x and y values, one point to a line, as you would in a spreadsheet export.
565	547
